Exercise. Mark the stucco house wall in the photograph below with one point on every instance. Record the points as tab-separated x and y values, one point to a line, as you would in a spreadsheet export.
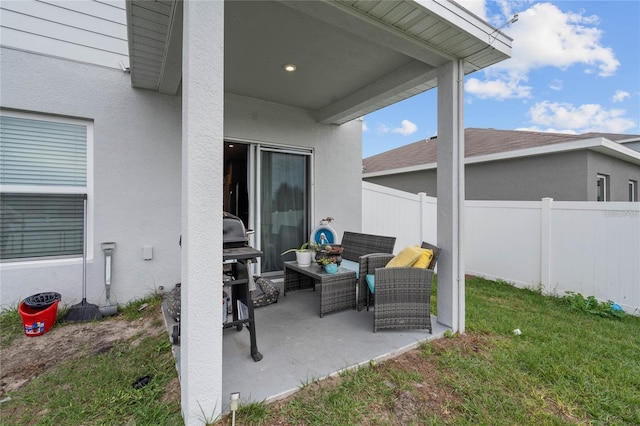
136	174
619	172
136	171
337	152
564	176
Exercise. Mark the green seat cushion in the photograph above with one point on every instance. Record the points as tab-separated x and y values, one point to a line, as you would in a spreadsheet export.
352	266
371	282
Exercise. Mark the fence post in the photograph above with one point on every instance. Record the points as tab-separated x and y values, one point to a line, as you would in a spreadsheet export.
545	245
422	199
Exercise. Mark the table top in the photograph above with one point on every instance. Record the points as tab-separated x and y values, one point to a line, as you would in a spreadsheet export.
316	272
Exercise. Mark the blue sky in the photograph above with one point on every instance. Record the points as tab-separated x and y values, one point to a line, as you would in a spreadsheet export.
574	68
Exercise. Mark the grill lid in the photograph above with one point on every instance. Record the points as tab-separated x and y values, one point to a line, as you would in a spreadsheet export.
233	232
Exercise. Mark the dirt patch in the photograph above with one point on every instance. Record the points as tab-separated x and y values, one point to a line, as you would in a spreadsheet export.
28	357
465	343
430	396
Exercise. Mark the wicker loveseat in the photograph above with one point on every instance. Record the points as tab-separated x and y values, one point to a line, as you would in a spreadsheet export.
357	248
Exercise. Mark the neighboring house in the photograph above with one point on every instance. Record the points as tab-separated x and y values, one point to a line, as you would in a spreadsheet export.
167	113
520	165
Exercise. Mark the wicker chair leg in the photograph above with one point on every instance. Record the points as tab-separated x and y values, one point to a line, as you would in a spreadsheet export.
368	293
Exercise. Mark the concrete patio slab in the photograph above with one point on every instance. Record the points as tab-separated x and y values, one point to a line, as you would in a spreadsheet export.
299	347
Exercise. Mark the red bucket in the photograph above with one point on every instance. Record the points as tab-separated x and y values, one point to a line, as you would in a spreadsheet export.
38	321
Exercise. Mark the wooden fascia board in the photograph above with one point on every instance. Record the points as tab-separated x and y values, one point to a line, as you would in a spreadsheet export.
618	151
129	13
171	71
410	169
468	22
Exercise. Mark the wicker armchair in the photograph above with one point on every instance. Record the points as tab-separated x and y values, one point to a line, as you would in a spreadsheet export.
402	295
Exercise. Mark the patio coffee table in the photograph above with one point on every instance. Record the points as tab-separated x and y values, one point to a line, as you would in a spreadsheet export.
337	291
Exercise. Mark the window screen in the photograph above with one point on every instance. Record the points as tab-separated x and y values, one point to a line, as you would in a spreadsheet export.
44	153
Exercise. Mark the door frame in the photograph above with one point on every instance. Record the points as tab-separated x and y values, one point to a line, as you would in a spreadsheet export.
255	148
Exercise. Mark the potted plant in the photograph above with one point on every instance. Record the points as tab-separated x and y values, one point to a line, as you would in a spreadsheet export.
304	254
331	251
329	264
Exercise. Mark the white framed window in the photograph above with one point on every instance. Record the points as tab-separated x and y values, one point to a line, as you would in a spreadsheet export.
633	190
602	186
43	183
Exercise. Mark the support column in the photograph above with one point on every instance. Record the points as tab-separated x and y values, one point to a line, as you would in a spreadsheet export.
202	163
451	272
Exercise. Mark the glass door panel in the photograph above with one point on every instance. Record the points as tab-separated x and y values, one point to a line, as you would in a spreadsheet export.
284	205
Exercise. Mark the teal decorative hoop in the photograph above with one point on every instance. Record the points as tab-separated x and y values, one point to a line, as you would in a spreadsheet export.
323	234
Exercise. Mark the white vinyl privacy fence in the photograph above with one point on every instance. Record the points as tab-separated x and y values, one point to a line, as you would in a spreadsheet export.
591	248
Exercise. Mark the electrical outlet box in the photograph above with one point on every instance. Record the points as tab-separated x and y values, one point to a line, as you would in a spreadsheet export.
147	252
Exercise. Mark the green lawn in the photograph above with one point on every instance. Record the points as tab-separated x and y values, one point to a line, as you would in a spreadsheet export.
567	367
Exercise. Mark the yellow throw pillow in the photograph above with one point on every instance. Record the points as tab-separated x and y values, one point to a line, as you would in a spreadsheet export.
406	257
425	258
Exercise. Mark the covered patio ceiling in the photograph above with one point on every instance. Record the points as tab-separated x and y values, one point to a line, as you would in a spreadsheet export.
352	57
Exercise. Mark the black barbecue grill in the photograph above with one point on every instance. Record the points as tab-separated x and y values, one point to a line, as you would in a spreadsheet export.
237	252
237	255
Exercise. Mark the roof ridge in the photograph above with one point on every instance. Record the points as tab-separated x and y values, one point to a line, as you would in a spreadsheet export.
536	132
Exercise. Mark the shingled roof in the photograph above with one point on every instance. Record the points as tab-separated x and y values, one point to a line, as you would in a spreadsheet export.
477	142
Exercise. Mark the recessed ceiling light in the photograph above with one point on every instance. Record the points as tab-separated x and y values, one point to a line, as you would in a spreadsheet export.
289	67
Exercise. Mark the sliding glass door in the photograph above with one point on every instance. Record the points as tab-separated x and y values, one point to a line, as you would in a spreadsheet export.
283	192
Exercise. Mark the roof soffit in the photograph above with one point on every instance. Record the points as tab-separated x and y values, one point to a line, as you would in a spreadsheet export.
353	57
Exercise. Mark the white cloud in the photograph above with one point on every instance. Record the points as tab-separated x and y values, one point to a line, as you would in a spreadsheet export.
620	96
545	36
581	119
382	129
556	85
364	126
406	128
477	7
547	130
497	89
